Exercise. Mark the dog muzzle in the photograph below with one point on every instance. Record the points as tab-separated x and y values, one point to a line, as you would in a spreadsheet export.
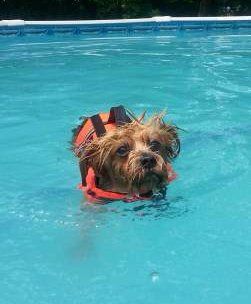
96	195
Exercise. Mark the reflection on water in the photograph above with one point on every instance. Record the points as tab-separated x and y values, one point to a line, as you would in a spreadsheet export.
164	208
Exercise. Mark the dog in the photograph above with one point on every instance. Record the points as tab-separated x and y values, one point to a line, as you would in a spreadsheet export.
132	160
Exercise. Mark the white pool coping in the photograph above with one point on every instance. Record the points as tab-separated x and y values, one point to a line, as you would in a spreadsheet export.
19	22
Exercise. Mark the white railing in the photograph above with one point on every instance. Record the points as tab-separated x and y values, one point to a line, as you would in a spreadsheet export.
18	22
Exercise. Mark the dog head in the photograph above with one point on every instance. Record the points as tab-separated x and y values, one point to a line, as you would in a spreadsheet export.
132	158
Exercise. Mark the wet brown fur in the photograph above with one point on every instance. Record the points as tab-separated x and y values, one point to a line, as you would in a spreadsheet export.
125	174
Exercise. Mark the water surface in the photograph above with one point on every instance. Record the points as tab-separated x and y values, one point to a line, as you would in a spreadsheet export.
193	247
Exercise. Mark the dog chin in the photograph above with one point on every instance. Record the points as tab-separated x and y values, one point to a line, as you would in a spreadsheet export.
150	181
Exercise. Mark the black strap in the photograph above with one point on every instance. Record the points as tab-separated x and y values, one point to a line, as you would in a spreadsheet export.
119	116
83	170
98	125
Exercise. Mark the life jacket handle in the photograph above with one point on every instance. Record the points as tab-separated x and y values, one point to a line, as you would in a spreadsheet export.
117	115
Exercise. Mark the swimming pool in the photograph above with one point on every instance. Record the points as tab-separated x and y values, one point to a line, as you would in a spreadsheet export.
194	247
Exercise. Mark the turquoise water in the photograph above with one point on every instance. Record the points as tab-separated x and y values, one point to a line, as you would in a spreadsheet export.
193	247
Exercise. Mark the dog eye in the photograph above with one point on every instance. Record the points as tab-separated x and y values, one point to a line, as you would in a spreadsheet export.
122	151
155	145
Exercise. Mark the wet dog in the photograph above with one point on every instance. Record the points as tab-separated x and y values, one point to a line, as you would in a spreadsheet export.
133	158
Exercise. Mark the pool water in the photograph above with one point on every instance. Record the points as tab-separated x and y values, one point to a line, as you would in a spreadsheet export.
193	247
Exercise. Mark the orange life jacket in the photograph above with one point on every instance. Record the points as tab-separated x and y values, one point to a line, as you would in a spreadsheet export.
91	128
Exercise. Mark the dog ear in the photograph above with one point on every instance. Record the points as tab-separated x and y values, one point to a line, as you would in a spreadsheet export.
170	134
173	149
95	154
85	163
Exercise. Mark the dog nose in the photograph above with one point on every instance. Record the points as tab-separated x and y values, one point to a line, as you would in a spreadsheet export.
148	161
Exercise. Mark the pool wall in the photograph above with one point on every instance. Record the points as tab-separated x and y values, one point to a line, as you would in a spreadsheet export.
123	26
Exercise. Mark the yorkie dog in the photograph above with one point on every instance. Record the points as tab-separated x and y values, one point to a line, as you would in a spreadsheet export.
130	159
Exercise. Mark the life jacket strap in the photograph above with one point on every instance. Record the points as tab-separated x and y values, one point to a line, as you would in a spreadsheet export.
83	171
98	125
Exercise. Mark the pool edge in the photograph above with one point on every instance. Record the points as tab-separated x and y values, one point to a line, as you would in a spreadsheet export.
164	23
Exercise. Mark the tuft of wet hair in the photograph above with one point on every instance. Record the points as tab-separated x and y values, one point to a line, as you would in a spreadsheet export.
158	121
